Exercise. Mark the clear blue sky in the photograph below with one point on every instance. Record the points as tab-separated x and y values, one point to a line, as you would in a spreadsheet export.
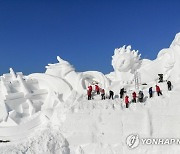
84	32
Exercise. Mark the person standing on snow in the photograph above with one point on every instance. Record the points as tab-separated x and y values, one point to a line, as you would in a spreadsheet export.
158	90
97	89
141	96
126	100
150	92
89	94
134	97
122	91
111	94
103	94
169	85
90	88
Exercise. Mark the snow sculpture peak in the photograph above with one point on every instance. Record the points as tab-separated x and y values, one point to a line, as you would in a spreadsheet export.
125	59
61	61
62	68
176	41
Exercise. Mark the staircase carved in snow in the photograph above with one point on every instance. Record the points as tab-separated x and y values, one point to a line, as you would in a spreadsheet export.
20	97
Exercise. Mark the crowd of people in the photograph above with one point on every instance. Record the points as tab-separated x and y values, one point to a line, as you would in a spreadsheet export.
123	94
98	91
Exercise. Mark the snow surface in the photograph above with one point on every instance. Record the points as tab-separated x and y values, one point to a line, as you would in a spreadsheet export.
48	113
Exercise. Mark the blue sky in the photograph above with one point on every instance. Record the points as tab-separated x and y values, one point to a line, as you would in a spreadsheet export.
83	32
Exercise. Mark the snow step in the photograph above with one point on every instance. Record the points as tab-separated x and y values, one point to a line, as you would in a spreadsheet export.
21	131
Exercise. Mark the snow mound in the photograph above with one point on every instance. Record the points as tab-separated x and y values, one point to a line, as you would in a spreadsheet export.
44	141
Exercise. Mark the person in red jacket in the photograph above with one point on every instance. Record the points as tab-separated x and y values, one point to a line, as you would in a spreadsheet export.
90	88
89	94
102	94
126	99
134	97
158	90
97	89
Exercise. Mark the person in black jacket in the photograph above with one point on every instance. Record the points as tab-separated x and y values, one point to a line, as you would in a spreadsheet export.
111	94
169	85
141	96
122	91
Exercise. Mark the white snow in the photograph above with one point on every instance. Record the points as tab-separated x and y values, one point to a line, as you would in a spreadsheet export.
48	113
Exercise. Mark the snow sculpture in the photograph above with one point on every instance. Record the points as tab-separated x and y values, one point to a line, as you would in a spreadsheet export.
60	69
28	101
78	80
167	63
21	98
125	62
176	41
174	62
25	101
58	89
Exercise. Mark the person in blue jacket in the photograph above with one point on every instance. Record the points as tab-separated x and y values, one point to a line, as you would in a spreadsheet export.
150	92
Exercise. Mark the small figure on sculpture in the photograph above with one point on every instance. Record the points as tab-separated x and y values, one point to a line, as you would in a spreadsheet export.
90	88
97	89
158	90
134	97
122	91
169	85
102	94
89	93
126	100
111	94
141	96
150	92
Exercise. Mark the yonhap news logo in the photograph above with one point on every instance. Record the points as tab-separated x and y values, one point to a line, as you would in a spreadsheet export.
134	140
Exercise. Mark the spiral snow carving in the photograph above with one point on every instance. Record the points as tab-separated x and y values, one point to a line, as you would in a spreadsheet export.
125	60
79	81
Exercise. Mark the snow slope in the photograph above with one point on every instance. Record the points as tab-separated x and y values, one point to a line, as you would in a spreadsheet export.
99	126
